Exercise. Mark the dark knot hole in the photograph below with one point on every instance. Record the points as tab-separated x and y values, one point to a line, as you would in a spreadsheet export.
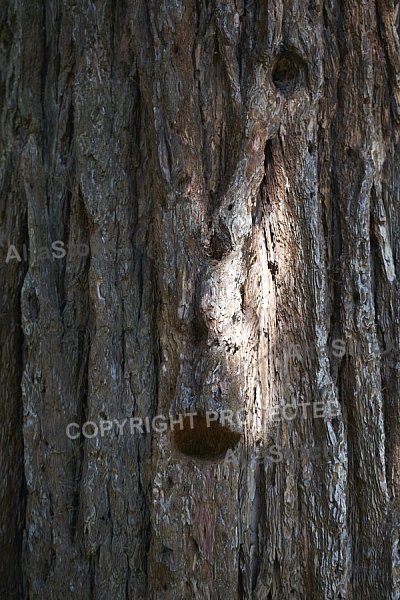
288	71
204	439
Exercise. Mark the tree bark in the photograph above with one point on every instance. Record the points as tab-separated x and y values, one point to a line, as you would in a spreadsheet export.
225	180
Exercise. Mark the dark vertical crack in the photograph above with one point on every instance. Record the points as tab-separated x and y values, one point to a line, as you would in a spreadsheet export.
241	569
78	455
258	517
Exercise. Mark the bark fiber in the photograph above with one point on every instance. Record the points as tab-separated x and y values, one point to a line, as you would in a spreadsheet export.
234	168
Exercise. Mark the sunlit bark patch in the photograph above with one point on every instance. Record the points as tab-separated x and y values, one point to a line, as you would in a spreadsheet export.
205	440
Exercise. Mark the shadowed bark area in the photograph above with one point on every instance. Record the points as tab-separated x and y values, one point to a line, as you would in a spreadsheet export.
224	179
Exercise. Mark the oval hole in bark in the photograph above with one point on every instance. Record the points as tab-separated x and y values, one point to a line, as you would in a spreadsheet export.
287	72
204	442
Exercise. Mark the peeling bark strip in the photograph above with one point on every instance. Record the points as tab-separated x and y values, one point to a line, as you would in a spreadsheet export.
237	165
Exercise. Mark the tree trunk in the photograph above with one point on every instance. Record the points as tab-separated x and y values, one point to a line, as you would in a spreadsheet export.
225	180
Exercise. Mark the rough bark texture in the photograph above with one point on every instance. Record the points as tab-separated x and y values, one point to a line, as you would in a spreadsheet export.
234	168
